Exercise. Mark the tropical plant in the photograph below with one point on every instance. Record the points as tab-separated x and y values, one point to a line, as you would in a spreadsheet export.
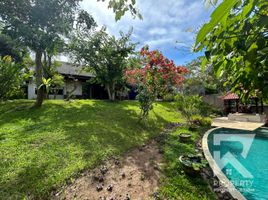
52	84
46	83
236	43
10	78
193	163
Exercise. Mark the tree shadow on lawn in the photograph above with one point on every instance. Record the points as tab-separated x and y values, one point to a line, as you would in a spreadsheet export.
14	105
178	183
110	132
27	183
59	142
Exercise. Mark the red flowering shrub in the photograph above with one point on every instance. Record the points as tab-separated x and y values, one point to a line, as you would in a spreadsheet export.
154	76
156	69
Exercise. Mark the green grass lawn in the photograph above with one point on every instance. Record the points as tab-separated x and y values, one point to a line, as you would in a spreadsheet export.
176	184
42	148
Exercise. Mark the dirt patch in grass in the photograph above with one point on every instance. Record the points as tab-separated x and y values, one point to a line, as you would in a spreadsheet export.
135	176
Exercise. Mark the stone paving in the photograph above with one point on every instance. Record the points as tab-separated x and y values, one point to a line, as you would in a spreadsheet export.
225	123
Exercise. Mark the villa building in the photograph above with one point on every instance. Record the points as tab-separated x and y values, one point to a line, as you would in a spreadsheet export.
76	82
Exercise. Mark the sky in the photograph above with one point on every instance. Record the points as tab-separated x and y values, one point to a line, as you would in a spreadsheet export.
168	25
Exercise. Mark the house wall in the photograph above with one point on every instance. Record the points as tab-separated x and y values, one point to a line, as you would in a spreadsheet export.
69	86
32	95
31	90
57	97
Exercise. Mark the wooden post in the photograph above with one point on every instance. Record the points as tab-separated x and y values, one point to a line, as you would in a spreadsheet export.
256	102
237	103
262	110
90	92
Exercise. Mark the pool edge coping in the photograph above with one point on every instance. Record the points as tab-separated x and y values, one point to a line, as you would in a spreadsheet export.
216	170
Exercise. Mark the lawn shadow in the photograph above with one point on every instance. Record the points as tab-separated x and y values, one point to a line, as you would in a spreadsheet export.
26	183
62	139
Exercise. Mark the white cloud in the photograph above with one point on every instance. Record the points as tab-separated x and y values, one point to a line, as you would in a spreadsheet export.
158	31
158	42
164	22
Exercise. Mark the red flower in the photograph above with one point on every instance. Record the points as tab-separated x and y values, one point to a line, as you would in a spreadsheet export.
154	61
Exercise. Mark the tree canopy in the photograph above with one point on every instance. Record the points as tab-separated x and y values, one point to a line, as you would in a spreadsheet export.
104	55
120	7
236	43
199	82
9	47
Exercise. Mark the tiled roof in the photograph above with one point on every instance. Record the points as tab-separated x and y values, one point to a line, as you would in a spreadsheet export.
230	96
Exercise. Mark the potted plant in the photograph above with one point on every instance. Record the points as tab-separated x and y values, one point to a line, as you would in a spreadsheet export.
192	164
193	127
185	137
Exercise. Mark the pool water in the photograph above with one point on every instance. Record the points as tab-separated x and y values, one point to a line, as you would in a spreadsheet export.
255	162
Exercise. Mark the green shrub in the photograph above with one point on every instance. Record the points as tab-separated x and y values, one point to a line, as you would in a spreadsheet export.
168	97
201	121
10	79
194	109
207	121
204	109
211	89
146	99
188	105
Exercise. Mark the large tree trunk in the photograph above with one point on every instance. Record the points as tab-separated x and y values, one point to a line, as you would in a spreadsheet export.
70	93
111	91
49	61
38	77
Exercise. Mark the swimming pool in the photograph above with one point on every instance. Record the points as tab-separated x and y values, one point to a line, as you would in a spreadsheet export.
243	158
